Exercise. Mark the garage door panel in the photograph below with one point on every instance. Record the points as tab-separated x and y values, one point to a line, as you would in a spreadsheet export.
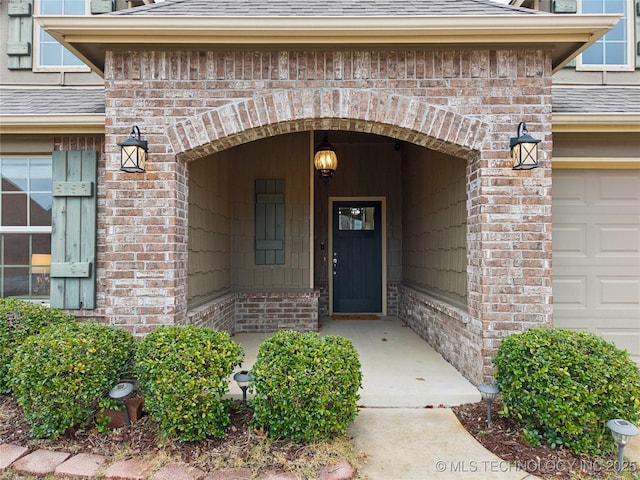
570	239
622	190
596	254
617	292
626	339
618	240
570	189
570	292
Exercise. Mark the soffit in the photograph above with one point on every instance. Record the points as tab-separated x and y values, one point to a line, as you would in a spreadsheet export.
203	24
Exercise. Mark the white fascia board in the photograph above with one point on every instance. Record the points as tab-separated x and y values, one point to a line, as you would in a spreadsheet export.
80	124
516	30
595	122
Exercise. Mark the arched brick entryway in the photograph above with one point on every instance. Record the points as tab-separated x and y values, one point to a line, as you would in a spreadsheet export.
411	119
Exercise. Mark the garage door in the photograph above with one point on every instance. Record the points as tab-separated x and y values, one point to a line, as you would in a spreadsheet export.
596	254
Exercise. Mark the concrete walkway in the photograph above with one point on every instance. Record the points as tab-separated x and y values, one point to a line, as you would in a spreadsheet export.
403	428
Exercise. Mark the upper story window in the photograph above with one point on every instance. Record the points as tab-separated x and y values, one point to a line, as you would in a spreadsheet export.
614	51
51	55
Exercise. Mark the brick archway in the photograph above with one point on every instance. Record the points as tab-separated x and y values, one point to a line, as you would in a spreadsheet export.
407	118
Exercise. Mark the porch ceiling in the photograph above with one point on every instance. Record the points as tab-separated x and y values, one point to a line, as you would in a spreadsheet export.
90	37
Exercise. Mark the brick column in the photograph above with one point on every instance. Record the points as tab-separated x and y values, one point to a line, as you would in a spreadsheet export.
509	246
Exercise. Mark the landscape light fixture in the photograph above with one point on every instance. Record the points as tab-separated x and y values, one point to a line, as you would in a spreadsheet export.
325	160
622	431
242	378
121	392
524	149
133	152
488	391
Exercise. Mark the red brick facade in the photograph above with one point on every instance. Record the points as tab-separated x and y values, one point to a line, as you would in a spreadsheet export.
462	103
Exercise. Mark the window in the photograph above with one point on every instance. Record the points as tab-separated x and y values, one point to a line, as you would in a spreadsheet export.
356	218
614	51
25	227
51	54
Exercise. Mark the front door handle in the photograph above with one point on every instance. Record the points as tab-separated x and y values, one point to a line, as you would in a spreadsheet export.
335	262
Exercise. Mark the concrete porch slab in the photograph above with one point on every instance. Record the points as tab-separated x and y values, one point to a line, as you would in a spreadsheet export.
400	370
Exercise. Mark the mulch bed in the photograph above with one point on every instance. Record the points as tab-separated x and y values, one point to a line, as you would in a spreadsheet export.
504	438
241	446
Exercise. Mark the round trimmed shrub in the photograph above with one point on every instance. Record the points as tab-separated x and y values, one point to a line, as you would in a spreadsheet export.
60	375
183	373
306	386
564	385
19	319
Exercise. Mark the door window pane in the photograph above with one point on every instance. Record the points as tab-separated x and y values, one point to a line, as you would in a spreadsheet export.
356	218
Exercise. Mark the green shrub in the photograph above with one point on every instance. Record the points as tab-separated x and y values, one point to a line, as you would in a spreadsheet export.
20	319
183	373
60	375
306	385
563	386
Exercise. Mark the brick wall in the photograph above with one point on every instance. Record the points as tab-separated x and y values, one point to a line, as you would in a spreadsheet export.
462	103
217	314
450	331
273	311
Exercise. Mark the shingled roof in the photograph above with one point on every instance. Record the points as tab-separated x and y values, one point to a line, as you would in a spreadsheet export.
596	100
51	101
323	8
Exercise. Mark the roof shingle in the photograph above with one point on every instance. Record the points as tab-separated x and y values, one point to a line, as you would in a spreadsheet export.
51	101
596	99
323	8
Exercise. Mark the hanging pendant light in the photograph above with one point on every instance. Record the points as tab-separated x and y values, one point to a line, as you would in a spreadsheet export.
325	160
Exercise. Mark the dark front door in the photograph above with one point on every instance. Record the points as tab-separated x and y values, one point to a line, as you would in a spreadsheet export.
357	257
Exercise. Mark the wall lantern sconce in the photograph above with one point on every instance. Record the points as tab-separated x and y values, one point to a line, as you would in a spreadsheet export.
325	159
488	391
133	152
622	431
242	378
524	149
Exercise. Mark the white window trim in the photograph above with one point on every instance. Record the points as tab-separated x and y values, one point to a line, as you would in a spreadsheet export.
631	42
37	32
25	228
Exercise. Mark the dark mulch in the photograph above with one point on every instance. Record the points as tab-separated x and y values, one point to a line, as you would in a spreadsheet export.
241	446
504	438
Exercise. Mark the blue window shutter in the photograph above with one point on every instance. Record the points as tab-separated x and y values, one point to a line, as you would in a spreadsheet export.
73	230
270	222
